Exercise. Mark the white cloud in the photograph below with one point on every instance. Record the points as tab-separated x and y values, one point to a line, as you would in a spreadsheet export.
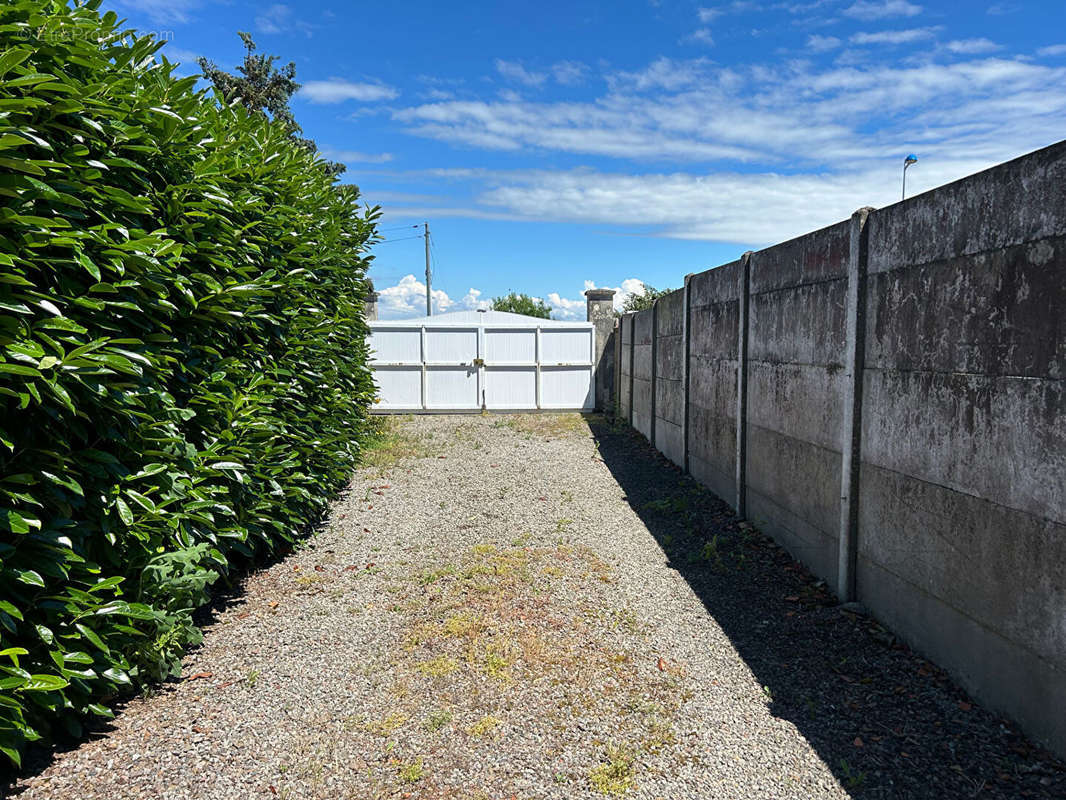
562	308
894	37
744	208
278	18
164	11
569	73
179	54
972	46
755	153
798	114
514	71
821	44
1053	50
708	14
663	73
356	156
338	90
408	299
471	301
630	286
880	9
577	308
701	36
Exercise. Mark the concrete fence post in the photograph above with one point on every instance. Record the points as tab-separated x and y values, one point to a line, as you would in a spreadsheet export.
654	367
600	312
851	455
617	355
743	289
632	350
685	311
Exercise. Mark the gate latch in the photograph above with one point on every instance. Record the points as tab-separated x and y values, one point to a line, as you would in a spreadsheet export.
479	362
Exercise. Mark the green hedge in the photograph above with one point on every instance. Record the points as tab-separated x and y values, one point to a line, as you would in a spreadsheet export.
183	380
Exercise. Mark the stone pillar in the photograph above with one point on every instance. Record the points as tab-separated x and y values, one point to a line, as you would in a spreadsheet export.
371	311
600	310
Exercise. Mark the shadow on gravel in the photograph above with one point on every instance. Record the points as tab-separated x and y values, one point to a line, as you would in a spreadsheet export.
888	723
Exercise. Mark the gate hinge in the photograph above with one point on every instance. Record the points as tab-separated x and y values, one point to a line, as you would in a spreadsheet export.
479	362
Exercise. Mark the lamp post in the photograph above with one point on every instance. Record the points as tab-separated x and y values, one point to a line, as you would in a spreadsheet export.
911	159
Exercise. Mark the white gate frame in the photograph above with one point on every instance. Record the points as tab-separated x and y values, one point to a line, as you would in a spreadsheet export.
573	373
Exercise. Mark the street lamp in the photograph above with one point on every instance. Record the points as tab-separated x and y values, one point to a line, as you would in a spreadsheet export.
911	159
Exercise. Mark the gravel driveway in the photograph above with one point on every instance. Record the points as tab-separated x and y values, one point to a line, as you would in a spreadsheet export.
540	607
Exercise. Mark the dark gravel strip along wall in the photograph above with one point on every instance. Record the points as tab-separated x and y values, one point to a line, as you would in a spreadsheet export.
888	723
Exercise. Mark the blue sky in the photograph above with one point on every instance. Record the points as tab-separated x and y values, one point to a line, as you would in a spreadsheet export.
557	145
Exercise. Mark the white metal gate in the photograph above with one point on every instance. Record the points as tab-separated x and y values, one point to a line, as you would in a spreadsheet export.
471	360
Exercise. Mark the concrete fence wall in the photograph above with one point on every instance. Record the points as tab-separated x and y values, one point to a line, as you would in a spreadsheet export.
885	397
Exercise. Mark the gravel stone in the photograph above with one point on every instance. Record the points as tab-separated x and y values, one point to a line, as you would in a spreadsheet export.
541	606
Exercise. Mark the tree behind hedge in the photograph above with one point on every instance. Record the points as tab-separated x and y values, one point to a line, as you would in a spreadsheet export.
518	303
263	88
183	378
639	302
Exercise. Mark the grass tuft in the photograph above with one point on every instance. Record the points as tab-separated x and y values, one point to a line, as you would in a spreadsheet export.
483	726
616	775
439	666
392	442
412	772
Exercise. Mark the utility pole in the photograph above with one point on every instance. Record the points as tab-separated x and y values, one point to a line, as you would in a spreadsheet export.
429	292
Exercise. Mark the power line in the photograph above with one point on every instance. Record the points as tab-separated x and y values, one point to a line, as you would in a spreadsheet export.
401	239
397	228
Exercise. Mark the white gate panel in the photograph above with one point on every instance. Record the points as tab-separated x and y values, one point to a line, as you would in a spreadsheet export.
566	387
511	388
399	387
511	346
451	387
451	345
393	345
563	346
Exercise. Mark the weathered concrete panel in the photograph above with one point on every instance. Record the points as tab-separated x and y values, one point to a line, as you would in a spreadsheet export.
993	669
718	285
713	330
713	386
798	400
670	359
642	406
670	312
1000	438
1003	581
798	485
642	327
712	452
670	401
809	545
669	441
812	258
1016	202
804	325
642	423
642	361
624	398
997	313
